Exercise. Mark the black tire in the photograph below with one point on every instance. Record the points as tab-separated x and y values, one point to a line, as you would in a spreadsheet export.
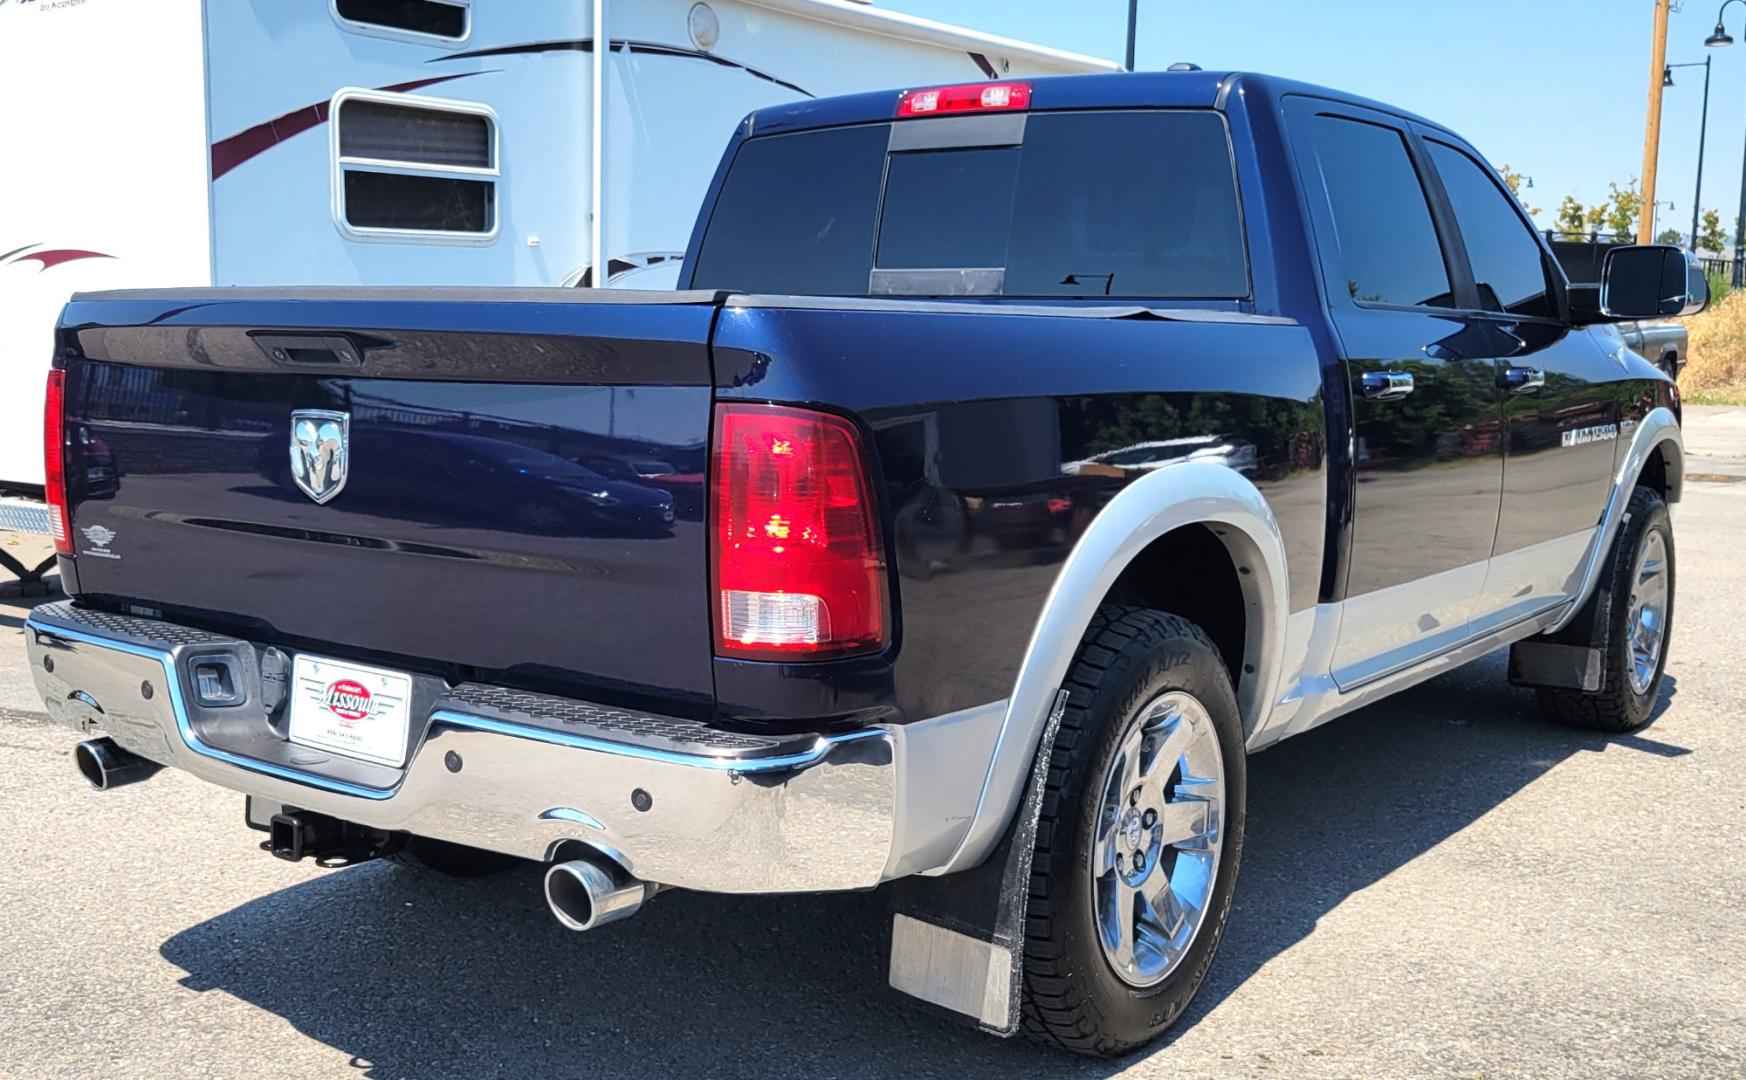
1073	998
451	860
1617	705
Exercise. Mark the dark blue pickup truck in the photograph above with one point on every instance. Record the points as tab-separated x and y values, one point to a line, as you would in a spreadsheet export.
1017	458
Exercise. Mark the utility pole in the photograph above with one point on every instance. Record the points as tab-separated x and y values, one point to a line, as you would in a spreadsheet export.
1652	128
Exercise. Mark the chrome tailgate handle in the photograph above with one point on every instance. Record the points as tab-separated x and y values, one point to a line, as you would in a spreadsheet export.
1386	385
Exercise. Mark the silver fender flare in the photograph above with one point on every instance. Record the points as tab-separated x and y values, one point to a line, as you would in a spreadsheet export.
1186	493
1658	429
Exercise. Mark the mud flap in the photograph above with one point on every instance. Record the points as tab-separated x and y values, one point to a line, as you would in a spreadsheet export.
1547	663
958	942
1571	657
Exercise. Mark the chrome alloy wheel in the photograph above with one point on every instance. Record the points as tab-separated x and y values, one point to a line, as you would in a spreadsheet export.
1647	623
1155	854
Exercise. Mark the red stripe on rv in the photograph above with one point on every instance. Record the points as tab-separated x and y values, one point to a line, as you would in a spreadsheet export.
57	256
230	152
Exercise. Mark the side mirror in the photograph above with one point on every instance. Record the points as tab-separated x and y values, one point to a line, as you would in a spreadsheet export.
1651	281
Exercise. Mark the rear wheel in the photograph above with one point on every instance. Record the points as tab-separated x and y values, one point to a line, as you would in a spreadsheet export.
1634	606
1139	838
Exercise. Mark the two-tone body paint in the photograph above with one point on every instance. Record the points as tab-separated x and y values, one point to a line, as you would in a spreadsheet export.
1529	530
1029	426
996	437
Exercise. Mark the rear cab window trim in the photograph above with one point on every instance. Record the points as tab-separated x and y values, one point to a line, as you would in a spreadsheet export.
901	141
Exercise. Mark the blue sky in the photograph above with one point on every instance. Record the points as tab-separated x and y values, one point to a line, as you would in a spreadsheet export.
1554	88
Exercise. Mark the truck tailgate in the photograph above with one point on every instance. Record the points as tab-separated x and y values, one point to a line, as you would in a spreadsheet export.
503	483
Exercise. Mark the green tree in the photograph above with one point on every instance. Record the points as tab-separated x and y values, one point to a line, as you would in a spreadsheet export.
1595	217
1670	236
1570	218
1513	180
1626	206
1710	235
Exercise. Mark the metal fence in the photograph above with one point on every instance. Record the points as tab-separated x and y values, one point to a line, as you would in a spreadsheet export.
1576	249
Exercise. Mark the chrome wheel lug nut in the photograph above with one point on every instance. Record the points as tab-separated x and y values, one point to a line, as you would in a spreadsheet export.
1150	819
1139	862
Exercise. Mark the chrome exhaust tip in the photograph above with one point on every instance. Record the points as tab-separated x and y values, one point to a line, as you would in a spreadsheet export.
585	893
104	765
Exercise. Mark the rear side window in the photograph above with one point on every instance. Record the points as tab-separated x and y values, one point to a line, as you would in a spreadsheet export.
1508	267
1121	204
1389	251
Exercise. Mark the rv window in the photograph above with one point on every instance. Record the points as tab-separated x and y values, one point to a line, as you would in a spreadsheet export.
425	203
376	129
435	18
412	167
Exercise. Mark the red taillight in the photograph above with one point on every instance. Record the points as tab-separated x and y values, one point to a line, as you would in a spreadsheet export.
798	565
54	461
971	97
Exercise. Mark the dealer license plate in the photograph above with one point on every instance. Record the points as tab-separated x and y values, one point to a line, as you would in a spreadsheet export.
353	710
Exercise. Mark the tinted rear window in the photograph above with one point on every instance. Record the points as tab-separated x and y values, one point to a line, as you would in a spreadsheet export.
797	214
1119	203
947	208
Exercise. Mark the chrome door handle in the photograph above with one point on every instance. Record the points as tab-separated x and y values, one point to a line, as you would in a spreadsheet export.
1522	380
1386	385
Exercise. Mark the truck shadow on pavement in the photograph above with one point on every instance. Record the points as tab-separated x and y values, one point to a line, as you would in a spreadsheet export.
415	975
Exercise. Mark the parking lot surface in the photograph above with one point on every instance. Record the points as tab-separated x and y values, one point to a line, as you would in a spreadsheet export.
1438	885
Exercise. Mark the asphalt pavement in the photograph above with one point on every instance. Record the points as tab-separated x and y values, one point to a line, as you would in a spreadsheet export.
1440	885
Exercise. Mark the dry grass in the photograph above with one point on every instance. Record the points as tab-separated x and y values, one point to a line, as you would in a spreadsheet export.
1715	370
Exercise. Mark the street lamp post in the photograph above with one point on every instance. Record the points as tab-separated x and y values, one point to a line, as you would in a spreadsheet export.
1703	132
1655	209
1133	27
1717	40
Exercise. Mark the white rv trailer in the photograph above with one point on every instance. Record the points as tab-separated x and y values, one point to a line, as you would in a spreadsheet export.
103	133
399	141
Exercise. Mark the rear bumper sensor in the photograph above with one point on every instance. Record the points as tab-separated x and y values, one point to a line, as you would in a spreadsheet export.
673	800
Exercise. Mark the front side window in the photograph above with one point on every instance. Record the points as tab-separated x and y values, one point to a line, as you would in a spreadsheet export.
1508	267
1136	204
1389	252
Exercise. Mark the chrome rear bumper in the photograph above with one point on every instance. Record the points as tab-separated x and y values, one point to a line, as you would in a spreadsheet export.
819	815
